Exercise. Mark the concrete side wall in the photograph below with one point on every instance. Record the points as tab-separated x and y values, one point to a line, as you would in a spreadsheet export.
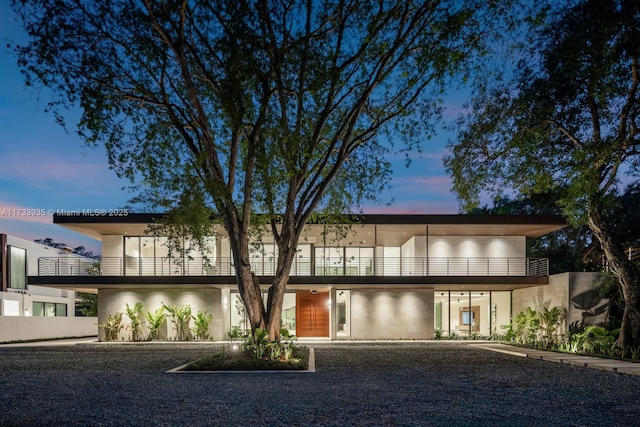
209	300
40	328
392	314
572	291
585	305
556	293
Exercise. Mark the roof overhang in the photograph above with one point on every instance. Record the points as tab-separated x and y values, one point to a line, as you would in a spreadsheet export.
388	228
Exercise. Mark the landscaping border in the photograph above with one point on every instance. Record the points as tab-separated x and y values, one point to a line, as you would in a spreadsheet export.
311	368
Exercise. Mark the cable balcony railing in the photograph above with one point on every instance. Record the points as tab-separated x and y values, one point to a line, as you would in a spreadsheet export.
419	266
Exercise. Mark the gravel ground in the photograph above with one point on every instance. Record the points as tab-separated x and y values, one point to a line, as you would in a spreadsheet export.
382	384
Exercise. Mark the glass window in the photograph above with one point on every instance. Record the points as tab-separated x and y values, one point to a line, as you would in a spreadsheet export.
343	313
61	310
391	261
38	309
49	309
17	267
302	262
500	311
329	261
132	256
289	312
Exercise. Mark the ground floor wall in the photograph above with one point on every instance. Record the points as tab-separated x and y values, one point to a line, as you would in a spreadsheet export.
391	314
341	312
207	301
25	328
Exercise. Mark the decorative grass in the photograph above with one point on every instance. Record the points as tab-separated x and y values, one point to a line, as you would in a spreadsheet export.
226	360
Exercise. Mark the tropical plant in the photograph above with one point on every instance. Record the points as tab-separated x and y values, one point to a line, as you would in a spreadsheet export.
550	321
154	322
265	349
136	317
235	334
112	326
87	303
201	322
181	317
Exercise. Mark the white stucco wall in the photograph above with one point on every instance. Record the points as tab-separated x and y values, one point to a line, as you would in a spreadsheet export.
42	328
477	255
112	300
391	314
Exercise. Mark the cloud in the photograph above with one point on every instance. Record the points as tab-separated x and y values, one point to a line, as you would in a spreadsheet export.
44	170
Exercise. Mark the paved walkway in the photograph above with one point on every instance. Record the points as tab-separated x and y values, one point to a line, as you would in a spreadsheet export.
621	366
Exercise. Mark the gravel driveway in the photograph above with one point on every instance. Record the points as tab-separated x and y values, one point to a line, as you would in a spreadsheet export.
386	384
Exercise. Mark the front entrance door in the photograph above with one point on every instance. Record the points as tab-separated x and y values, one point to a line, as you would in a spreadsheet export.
312	314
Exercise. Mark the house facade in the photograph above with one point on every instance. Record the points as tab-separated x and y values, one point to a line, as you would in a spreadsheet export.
29	312
382	277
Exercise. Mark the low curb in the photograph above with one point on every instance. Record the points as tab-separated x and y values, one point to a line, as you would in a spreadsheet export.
611	365
311	369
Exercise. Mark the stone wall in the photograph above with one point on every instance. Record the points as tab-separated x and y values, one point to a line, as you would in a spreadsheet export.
209	300
391	314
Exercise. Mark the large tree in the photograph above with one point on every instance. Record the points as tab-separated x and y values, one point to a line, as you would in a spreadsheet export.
227	108
566	116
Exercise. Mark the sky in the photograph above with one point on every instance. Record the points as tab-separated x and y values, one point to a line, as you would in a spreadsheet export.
44	169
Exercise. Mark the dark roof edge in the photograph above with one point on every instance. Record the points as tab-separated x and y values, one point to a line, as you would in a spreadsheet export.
123	217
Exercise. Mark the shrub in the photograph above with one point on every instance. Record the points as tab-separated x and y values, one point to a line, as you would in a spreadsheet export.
201	323
180	316
136	316
112	326
154	322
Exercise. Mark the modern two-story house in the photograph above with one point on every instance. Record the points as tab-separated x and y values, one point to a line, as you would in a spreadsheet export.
388	277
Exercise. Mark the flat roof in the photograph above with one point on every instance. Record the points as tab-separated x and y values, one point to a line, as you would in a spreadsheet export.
386	227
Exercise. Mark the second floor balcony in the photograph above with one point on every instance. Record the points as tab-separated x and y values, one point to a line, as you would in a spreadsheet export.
419	266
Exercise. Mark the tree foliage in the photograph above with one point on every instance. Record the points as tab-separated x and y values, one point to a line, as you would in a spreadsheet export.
566	117
227	108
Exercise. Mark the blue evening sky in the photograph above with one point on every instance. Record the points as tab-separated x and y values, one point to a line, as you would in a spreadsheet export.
43	169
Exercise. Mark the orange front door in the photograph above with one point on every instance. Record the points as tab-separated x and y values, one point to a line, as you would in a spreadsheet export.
312	314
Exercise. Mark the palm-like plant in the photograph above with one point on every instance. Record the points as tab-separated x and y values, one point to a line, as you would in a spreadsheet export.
201	322
154	322
180	316
136	316
112	326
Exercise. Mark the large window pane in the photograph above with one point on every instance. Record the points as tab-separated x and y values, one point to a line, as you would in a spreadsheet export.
147	256
343	313
61	310
480	311
17	267
500	311
50	309
38	309
441	312
132	256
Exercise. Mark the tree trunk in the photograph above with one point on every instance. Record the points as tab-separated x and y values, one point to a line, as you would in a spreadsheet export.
628	277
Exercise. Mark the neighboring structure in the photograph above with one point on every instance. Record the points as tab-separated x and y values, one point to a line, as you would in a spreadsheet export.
390	277
29	312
